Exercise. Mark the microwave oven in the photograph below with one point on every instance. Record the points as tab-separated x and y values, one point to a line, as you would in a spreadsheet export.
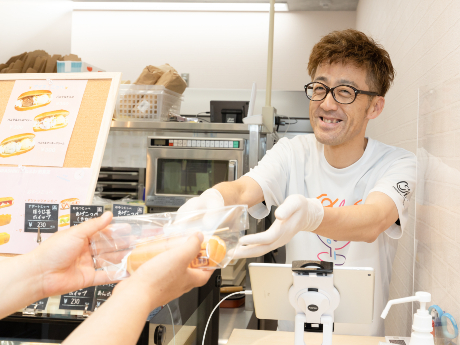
180	168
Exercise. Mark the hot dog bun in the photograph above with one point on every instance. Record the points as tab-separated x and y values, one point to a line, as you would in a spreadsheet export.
146	251
31	94
6	202
17	137
212	252
5	219
50	114
65	219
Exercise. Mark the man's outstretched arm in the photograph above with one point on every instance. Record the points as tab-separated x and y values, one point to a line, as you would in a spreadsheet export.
362	223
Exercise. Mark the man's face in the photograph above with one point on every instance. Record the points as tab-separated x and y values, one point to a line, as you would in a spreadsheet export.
335	123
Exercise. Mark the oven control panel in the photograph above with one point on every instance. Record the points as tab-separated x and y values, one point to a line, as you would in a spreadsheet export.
195	143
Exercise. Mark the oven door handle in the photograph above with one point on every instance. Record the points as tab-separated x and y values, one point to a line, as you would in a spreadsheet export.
232	170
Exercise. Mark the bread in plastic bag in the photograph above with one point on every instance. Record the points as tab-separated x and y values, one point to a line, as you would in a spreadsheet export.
128	242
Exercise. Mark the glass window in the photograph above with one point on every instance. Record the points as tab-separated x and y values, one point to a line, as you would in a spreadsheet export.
189	177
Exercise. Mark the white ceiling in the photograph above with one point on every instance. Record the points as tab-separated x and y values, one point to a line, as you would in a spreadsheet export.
294	5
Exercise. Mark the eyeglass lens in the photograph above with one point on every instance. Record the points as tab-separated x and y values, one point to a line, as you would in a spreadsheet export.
342	94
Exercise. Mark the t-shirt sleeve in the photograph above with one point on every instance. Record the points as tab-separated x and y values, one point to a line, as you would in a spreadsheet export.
398	182
272	174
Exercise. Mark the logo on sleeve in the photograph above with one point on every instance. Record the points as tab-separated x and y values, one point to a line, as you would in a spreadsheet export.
403	189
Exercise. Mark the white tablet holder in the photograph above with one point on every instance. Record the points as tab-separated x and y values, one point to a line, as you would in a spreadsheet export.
314	299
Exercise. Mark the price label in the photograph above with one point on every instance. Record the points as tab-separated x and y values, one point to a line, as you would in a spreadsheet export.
82	213
43	216
78	300
103	292
41	304
127	210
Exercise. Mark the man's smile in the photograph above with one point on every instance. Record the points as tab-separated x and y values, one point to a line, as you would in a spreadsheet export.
329	122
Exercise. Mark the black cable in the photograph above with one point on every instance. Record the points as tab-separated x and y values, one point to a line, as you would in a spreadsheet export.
273	257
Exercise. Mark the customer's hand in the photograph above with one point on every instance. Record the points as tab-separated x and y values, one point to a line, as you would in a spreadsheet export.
295	214
64	263
167	276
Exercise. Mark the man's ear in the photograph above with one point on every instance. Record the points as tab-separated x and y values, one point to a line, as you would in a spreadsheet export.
376	108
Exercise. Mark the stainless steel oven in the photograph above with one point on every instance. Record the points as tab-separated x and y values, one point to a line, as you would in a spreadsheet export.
179	168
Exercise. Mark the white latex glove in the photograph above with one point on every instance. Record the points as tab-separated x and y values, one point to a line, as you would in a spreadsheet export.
186	217
295	214
209	199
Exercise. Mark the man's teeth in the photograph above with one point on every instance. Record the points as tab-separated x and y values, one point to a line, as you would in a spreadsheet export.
331	121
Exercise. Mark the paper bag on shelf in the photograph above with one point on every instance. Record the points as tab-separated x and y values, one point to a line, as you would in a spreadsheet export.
171	79
149	75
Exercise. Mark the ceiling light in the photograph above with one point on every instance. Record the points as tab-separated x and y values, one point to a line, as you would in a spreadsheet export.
178	6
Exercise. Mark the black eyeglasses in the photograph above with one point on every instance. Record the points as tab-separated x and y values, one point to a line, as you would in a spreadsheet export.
343	94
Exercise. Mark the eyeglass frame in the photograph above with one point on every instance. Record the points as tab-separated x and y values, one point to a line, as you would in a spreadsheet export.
331	90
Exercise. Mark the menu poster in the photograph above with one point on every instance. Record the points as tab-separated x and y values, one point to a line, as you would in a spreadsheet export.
20	186
38	121
78	300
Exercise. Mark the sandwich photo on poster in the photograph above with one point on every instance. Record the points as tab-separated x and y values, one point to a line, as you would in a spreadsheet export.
5	217
64	211
38	121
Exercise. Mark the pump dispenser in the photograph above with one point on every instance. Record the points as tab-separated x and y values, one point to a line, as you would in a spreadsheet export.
422	326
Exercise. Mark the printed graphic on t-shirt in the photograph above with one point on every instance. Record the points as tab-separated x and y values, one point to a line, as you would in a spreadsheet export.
334	251
402	187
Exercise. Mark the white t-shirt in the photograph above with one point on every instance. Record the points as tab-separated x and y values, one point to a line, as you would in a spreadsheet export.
298	166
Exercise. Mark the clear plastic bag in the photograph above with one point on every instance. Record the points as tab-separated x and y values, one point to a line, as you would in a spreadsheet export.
128	242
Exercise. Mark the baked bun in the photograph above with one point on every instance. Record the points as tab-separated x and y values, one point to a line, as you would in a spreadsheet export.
64	220
51	120
17	145
65	204
4	238
33	99
6	202
211	254
5	219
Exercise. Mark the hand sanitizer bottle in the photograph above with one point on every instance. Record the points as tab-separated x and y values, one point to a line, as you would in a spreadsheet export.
422	326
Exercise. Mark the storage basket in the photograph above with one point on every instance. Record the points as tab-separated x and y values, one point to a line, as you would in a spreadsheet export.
146	103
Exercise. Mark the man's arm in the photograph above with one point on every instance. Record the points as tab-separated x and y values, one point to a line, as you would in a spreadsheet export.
359	222
350	223
244	191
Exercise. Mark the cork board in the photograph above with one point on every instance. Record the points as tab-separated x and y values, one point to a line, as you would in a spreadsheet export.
85	134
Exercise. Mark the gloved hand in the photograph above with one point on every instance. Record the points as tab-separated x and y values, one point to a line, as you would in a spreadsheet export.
209	199
295	214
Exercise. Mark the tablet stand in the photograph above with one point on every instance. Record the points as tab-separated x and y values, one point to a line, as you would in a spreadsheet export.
314	299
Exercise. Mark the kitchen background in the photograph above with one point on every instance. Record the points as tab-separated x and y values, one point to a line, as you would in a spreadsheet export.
227	50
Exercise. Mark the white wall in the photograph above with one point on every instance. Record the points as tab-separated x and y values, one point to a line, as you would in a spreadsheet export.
422	38
225	50
31	25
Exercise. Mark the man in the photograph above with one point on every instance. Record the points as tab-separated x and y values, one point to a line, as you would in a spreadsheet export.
342	197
